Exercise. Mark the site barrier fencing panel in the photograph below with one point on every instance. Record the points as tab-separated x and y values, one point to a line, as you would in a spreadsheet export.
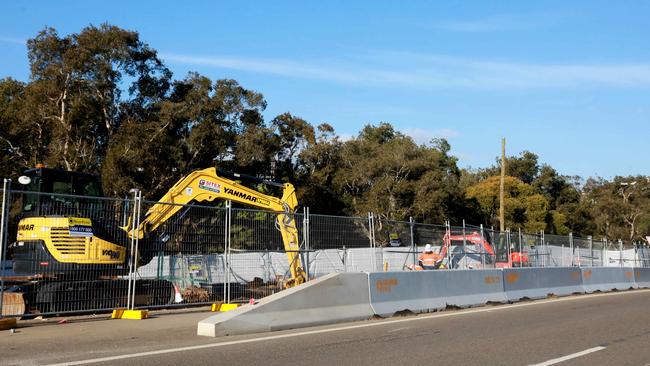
425	234
597	252
561	250
183	258
397	240
582	252
630	254
642	255
340	244
530	246
463	251
500	242
259	262
82	253
64	253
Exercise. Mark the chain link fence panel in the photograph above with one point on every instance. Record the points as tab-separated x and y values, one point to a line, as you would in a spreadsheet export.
182	258
75	259
643	254
68	253
340	244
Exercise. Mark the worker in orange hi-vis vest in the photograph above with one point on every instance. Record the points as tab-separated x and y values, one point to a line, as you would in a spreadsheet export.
428	259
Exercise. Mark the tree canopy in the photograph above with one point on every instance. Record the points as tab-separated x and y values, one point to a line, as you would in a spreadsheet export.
102	101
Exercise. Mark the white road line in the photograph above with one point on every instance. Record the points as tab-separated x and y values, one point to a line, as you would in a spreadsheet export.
570	357
397	329
338	329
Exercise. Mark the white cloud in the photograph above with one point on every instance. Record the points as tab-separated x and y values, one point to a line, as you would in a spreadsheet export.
12	40
430	72
267	66
495	23
424	137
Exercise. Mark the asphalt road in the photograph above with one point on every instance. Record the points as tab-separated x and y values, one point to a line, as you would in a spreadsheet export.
611	329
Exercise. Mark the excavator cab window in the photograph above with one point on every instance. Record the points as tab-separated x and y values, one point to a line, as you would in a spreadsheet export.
66	188
30	201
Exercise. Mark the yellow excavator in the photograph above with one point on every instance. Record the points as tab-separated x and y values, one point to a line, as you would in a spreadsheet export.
61	239
206	185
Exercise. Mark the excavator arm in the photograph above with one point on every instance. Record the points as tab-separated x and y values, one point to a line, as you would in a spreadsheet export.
207	185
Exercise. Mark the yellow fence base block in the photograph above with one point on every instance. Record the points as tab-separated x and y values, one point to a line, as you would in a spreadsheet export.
224	307
130	314
228	307
8	323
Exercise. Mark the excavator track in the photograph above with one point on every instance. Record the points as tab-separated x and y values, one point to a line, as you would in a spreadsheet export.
55	297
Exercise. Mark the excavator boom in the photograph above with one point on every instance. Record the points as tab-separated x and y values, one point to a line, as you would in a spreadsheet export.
207	185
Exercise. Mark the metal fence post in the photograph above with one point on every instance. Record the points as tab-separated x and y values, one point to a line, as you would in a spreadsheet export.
483	254
542	243
521	247
371	234
305	238
547	262
591	249
133	260
227	249
571	248
379	253
508	244
448	234
373	241
413	250
620	252
371	230
464	245
137	246
4	224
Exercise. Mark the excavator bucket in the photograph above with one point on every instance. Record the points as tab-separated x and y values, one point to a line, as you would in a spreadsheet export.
13	304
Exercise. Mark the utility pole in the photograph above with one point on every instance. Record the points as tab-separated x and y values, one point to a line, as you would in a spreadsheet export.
502	211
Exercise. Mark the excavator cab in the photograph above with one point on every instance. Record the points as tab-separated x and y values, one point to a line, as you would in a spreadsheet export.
53	191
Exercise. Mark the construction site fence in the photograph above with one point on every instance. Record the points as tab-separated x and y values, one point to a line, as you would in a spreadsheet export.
205	254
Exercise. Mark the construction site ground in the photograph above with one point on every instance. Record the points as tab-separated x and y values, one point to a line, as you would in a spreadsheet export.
90	336
595	329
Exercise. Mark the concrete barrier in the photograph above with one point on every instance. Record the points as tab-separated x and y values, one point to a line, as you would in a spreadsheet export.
642	277
344	297
422	291
538	283
607	279
337	297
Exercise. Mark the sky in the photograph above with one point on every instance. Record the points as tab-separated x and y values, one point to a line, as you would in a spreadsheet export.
567	80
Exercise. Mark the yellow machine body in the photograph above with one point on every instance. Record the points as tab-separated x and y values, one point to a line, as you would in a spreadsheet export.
70	240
